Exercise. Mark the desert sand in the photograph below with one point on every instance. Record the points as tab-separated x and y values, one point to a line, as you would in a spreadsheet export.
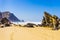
24	33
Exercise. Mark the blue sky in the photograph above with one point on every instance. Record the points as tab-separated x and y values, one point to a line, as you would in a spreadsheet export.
31	10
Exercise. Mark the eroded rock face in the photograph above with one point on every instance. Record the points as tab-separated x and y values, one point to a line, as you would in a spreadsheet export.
50	20
5	21
7	17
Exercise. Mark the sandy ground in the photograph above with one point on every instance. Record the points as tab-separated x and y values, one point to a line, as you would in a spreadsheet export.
24	33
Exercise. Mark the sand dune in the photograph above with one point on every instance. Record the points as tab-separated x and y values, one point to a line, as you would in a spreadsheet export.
24	33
